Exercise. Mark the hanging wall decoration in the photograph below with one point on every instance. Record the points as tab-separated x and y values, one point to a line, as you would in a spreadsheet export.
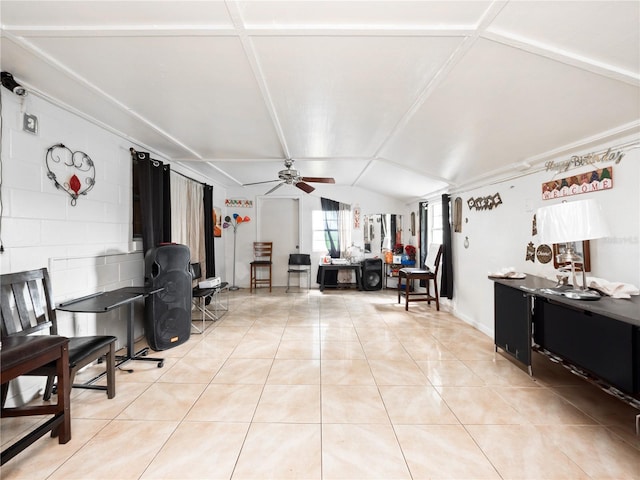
485	203
457	215
531	253
593	181
217	222
544	253
73	172
356	217
230	202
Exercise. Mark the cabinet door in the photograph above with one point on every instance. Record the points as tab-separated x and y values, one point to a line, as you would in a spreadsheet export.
601	345
512	322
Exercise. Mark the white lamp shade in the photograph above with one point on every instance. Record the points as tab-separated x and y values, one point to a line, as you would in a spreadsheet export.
571	222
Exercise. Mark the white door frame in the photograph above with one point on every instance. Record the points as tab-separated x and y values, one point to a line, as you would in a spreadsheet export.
296	203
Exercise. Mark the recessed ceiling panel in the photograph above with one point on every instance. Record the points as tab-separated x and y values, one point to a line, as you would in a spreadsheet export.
342	96
501	105
604	31
200	89
33	72
394	181
396	14
114	13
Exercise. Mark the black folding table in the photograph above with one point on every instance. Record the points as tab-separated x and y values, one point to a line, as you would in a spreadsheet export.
103	302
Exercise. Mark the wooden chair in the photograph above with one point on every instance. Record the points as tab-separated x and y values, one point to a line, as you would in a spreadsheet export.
262	252
428	274
26	305
21	354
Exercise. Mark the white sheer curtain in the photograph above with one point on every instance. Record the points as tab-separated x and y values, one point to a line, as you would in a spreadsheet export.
344	228
344	234
187	216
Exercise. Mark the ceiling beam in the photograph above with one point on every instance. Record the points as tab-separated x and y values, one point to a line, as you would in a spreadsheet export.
249	50
564	56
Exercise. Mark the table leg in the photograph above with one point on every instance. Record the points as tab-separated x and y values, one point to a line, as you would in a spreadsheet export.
322	269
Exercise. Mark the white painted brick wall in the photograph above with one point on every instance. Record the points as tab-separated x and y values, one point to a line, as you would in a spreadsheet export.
86	247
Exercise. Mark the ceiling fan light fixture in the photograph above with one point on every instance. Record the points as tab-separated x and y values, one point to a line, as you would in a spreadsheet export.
291	176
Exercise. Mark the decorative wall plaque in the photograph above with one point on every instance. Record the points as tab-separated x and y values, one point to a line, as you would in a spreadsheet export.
531	253
544	254
72	172
484	203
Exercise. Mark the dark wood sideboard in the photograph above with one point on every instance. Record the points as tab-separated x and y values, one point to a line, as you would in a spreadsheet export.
600	338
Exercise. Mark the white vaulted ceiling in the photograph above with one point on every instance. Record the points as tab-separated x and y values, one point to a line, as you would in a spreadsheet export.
405	98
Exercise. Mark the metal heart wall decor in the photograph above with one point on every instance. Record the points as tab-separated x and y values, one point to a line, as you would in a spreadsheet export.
73	172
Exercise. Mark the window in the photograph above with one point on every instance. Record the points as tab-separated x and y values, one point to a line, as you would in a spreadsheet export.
436	233
430	226
322	235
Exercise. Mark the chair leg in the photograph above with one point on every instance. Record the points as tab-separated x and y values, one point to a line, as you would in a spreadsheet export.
435	288
407	288
48	389
269	278
4	391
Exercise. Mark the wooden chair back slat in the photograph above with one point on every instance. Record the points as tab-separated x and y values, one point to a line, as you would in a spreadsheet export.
26	304
262	250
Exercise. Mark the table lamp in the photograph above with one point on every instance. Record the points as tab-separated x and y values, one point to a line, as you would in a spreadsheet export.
571	222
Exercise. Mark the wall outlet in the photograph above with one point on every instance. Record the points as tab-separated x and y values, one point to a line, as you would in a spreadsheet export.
30	123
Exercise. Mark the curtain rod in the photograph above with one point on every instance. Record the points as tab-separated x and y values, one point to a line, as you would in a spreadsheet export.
189	178
157	162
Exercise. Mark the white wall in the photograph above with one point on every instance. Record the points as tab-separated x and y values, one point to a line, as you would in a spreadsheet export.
498	238
368	202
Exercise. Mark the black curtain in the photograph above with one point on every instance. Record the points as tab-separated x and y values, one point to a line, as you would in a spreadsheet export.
210	257
166	203
330	211
155	199
423	225
446	280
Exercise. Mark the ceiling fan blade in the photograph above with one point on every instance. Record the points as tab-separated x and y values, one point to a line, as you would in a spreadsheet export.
274	188
318	179
259	183
305	187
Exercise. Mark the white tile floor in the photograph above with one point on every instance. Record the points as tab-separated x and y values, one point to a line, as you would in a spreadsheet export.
338	385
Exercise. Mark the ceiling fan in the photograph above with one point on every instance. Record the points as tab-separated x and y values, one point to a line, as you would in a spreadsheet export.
290	176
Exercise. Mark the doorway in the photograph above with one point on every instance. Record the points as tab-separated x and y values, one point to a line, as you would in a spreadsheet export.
279	222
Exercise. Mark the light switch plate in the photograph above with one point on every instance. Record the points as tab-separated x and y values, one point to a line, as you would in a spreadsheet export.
30	123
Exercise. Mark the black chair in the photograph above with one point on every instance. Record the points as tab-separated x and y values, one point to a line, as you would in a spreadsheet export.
201	297
299	264
26	303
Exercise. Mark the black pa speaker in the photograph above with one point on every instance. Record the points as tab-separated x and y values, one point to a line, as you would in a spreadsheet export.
167	314
371	274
